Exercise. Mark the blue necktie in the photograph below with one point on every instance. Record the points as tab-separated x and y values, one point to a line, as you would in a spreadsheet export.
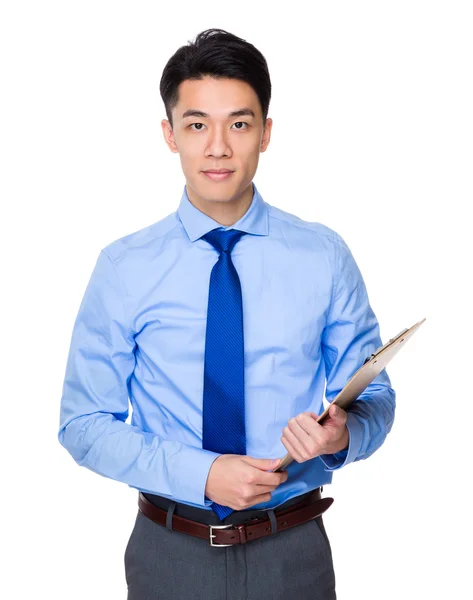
223	418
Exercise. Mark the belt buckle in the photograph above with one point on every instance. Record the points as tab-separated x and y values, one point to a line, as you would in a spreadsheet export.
212	527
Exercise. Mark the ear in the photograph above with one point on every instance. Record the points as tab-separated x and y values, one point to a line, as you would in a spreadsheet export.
168	134
266	135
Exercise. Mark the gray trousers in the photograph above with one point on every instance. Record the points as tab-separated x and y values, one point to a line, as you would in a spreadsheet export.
161	563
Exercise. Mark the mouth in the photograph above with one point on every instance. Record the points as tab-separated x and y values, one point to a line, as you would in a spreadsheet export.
217	174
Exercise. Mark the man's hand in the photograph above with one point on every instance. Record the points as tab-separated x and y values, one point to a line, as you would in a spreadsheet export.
240	481
304	438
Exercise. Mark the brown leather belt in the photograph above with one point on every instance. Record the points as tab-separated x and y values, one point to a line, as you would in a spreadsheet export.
312	506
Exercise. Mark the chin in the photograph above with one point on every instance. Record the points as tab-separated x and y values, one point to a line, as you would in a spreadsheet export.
216	189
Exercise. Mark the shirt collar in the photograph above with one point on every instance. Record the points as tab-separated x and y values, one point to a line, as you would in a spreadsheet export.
196	223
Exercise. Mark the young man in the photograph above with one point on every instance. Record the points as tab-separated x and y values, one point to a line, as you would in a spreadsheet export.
221	323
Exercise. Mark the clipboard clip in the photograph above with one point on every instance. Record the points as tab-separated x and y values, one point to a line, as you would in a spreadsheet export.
391	341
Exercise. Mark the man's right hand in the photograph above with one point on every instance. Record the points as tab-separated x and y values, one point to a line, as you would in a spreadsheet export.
242	481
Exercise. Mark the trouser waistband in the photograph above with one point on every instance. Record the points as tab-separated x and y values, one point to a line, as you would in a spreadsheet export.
209	517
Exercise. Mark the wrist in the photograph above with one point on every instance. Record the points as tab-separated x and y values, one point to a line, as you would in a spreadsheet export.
345	439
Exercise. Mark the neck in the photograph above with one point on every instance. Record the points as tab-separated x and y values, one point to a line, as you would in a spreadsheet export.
225	212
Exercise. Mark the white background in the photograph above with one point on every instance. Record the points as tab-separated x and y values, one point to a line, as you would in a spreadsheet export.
372	136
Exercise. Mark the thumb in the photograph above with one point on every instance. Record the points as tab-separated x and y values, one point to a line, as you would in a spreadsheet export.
334	412
264	464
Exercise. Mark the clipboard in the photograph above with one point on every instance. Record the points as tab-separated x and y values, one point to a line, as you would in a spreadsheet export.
372	366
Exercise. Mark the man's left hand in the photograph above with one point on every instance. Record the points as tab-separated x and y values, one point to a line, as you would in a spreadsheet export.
304	438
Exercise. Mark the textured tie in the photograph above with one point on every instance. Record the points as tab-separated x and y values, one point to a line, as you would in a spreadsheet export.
224	394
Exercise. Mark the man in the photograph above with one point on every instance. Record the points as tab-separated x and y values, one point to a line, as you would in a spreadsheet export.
222	323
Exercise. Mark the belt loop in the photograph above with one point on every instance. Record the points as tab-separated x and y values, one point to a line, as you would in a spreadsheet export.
171	508
272	518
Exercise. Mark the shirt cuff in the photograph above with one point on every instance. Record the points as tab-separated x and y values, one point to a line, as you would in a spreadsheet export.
339	459
191	474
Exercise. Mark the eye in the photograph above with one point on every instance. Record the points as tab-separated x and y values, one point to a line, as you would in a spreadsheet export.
241	123
237	123
195	124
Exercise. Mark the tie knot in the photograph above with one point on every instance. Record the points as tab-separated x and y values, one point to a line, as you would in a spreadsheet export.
223	240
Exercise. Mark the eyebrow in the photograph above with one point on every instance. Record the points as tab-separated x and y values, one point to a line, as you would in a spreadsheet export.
241	112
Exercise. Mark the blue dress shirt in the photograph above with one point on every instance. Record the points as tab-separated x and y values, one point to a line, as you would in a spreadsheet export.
139	337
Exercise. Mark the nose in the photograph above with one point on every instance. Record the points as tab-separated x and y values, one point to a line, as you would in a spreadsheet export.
217	143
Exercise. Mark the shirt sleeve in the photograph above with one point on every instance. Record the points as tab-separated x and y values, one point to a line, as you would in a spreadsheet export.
95	404
351	335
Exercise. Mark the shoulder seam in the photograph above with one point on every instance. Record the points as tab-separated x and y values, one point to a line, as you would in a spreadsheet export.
124	294
117	258
333	235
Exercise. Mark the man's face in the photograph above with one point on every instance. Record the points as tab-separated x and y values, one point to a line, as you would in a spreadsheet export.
219	140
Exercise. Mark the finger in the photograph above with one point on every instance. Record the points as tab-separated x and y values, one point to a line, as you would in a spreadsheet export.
337	413
268	478
306	430
273	484
263	489
294	452
309	434
260	498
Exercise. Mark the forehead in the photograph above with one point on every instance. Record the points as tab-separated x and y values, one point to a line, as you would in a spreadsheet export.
217	97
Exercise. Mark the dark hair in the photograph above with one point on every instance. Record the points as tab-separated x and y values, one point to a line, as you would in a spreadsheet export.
219	54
